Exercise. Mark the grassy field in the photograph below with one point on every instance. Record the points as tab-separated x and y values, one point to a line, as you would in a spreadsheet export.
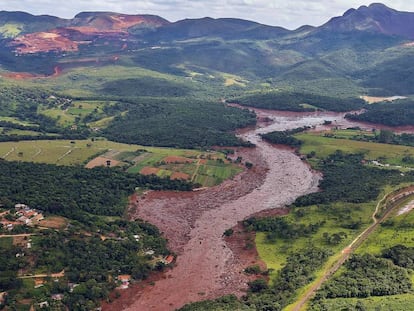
230	80
340	217
11	30
78	110
18	132
398	229
16	121
323	146
86	81
335	217
206	168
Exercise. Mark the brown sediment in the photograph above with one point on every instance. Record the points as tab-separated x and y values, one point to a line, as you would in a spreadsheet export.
207	264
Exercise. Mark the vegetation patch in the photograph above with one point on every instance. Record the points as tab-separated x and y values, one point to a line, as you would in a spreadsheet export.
366	276
185	164
397	113
172	123
293	101
101	191
396	303
320	145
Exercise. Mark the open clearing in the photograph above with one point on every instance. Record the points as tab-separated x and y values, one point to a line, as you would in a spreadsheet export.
54	222
102	161
374	100
207	168
323	146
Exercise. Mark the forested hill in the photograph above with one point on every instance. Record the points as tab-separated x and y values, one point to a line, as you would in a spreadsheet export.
362	51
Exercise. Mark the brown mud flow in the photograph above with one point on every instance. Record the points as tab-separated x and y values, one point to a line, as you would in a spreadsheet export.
194	223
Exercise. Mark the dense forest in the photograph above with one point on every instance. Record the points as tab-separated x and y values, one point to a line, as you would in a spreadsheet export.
93	249
75	192
284	137
347	179
140	115
89	261
397	113
179	123
147	86
279	228
365	276
295	101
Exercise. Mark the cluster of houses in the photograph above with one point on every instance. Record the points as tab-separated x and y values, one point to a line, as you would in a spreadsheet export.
27	215
24	215
125	279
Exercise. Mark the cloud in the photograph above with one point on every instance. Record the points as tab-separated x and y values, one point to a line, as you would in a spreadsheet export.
290	14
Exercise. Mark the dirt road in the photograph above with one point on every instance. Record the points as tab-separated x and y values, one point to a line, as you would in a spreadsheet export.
393	199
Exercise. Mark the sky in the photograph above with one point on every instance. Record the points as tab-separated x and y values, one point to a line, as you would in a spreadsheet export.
286	13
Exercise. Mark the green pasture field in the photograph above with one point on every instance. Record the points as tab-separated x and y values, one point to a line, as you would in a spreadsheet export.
104	122
86	81
208	174
335	217
11	30
79	152
324	146
78	109
215	172
17	121
18	132
64	119
339	216
351	133
399	229
82	108
57	151
62	152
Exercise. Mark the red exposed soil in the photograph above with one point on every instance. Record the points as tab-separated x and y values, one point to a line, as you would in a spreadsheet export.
149	170
179	175
43	42
101	161
22	75
68	39
176	159
207	265
57	71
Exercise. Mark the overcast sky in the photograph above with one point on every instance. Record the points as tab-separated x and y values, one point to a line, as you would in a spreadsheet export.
287	13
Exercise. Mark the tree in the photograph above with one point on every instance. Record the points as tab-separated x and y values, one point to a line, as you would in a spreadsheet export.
385	136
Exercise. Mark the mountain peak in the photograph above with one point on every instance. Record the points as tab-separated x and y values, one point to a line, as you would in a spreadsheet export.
379	6
375	18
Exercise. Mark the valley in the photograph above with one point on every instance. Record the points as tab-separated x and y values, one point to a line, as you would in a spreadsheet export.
194	224
207	164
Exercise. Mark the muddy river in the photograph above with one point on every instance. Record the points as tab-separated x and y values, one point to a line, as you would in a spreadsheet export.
194	222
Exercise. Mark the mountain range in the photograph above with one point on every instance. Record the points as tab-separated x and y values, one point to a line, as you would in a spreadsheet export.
370	46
